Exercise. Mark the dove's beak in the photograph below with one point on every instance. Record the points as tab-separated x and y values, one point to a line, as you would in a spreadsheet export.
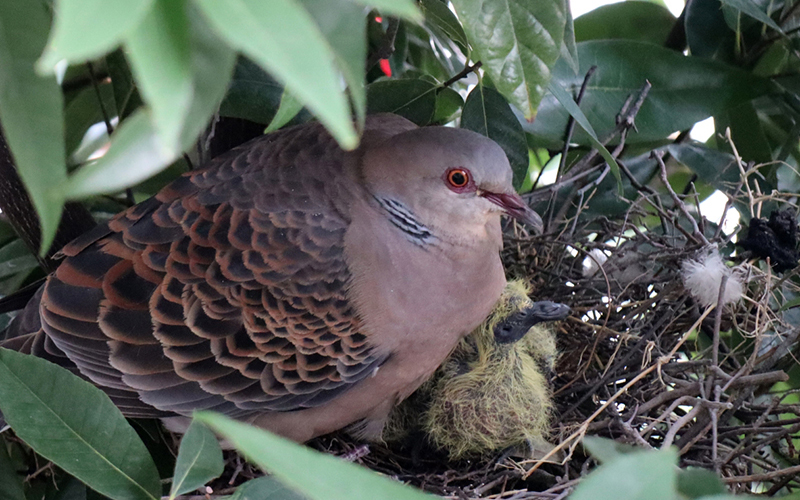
516	207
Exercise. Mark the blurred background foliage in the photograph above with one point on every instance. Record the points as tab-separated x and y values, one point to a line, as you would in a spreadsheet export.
104	102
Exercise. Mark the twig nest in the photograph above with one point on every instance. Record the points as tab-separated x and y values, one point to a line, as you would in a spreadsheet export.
703	276
487	396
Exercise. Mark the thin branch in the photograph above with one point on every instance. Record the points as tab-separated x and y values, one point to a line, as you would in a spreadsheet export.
463	73
698	236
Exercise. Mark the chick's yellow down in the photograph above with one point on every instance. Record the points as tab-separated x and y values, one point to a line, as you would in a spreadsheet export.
491	393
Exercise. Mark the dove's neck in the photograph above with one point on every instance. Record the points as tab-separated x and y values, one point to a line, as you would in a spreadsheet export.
404	219
426	235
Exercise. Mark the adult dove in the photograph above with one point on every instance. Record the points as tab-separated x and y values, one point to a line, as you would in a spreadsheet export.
289	283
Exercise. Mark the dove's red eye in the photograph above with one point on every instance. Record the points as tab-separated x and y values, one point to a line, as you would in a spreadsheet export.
458	179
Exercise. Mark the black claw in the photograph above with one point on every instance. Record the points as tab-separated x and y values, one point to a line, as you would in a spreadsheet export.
517	325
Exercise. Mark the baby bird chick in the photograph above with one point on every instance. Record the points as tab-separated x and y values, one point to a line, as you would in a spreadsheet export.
491	393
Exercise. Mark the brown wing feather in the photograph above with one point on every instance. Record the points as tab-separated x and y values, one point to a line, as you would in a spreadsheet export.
226	291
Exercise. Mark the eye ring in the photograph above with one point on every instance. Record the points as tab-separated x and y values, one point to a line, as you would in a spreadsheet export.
458	178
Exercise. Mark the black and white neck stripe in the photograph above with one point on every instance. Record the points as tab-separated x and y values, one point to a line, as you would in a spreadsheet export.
402	218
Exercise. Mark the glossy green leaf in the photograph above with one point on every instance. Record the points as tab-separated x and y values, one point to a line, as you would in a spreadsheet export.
318	476
644	475
31	108
13	283
265	488
488	113
199	460
398	8
86	29
182	70
439	14
569	49
518	42
343	24
287	110
158	51
750	8
410	98
72	489
631	20
253	94
684	90
775	59
283	38
135	154
448	103
90	440
746	132
696	483
707	33
10	480
712	166
17	265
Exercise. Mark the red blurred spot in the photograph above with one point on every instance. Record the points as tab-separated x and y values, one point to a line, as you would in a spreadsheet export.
384	64
379	19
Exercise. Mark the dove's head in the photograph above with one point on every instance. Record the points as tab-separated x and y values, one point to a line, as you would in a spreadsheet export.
452	181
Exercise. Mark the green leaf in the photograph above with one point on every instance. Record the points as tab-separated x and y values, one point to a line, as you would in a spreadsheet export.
86	29
438	14
488	113
684	91
135	154
707	33
158	51
83	111
265	488
644	475
283	38
751	9
711	166
448	102
775	59
343	24
182	70
631	20
398	8
607	450
287	110
253	94
316	475
126	95
518	42
199	460
575	111
17	265
411	98
10	481
746	132
71	489
31	108
695	483
90	440
15	258
569	51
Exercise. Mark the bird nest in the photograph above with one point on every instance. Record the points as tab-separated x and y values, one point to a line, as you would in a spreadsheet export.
681	335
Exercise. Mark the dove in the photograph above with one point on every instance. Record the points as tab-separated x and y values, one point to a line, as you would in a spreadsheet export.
288	283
